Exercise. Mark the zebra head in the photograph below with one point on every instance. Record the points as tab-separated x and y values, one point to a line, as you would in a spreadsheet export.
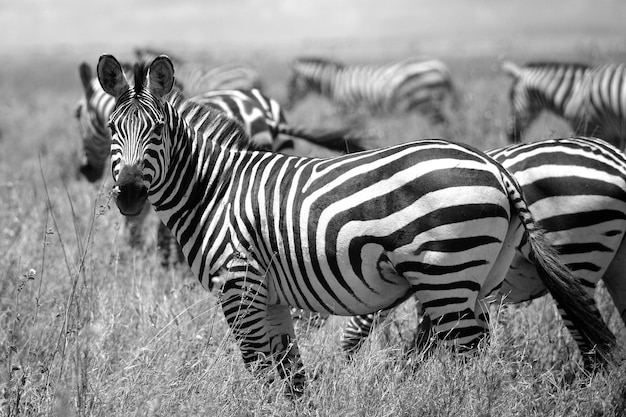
137	126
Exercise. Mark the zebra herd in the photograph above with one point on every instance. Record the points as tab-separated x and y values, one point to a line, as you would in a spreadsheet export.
359	233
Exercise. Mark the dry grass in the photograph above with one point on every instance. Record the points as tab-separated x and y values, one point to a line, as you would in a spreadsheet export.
90	327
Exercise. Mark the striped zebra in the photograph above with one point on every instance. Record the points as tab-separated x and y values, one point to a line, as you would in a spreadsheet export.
196	78
264	121
261	117
92	114
576	189
346	235
397	87
591	99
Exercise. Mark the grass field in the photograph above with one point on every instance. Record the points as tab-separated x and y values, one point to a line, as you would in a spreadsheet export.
90	327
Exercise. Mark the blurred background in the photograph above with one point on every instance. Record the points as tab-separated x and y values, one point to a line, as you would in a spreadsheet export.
451	27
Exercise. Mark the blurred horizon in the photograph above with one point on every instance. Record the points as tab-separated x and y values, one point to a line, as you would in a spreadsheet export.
451	27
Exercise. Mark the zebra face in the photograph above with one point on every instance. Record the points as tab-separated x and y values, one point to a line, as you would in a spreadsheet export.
137	128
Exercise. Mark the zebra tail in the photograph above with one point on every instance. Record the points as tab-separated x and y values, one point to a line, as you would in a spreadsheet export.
511	69
558	279
341	140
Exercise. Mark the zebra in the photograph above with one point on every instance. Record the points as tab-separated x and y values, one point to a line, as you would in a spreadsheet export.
403	86
196	78
261	116
346	235
576	189
92	114
264	121
592	99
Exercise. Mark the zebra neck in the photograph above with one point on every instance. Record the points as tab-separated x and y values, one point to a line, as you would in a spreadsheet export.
192	196
561	97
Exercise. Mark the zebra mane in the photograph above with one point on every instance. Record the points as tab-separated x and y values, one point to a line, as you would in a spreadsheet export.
140	71
231	132
556	64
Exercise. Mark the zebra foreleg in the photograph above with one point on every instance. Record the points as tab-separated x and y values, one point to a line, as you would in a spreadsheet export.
265	332
244	301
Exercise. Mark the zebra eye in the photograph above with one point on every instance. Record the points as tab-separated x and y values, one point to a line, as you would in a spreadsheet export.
112	128
158	128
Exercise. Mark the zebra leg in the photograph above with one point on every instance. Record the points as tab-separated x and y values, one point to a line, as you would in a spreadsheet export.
168	248
458	306
309	319
264	332
284	348
615	282
243	299
358	329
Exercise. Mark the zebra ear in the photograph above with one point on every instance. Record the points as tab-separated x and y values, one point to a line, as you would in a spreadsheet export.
161	76
111	76
84	70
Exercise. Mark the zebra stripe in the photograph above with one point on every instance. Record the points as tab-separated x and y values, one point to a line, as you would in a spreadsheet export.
92	114
264	121
591	99
401	86
576	189
346	235
260	115
195	78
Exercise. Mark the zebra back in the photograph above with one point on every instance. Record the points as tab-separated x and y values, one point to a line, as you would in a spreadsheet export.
196	78
264	121
553	86
413	83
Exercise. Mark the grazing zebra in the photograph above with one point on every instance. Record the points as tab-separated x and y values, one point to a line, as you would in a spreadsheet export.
576	189
400	86
591	99
260	115
346	235
264	121
195	78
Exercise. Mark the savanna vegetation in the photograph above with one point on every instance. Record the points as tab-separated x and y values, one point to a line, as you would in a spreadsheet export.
91	327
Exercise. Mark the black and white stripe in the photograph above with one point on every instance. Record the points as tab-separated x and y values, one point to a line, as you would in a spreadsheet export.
261	117
264	121
197	78
591	99
400	86
347	235
576	190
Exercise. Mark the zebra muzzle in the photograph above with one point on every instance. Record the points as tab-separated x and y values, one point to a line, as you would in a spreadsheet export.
130	192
